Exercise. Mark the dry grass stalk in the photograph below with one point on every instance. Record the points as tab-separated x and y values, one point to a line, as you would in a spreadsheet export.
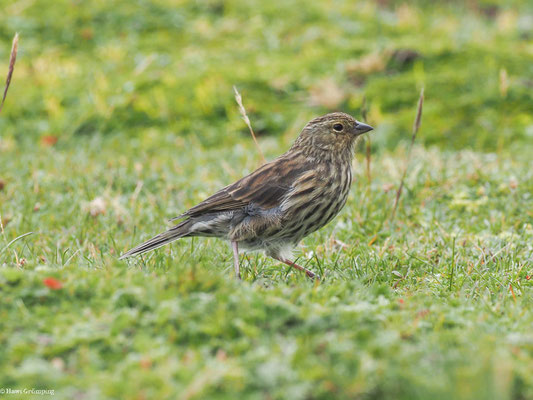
416	127
364	112
238	98
2	229
12	60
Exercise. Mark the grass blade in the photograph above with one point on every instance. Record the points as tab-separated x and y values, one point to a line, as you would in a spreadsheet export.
453	265
14	240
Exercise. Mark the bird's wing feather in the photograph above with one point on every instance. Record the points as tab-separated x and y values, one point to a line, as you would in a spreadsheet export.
266	187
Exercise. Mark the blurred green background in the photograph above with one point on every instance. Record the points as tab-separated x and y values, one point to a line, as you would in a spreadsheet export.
105	67
121	114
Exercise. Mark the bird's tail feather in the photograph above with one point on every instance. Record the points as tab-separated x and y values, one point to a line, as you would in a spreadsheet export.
172	234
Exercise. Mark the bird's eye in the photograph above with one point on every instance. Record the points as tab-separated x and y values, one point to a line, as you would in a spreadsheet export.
338	127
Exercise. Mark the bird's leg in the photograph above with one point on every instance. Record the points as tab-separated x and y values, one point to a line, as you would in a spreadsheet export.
310	274
235	248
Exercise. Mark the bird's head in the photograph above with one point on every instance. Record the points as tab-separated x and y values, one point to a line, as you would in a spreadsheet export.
333	133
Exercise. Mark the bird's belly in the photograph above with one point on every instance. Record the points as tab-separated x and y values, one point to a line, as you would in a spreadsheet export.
279	241
296	224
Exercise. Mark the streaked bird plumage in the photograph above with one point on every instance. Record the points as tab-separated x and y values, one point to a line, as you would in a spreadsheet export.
281	202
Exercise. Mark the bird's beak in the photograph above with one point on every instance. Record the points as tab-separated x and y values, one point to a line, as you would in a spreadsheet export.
361	128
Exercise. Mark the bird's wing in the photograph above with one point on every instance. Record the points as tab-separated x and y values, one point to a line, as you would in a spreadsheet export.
266	188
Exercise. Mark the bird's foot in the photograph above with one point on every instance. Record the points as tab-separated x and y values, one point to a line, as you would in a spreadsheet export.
310	274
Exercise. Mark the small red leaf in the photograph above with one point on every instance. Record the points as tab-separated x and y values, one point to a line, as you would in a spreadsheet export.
53	283
48	140
145	363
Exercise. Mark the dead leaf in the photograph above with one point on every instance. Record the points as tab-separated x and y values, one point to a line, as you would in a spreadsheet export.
87	33
5	221
58	363
97	207
387	187
327	93
371	63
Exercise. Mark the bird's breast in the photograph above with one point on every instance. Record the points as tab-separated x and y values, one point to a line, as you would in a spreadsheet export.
315	202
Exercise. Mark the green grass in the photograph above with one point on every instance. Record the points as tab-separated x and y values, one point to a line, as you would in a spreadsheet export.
436	304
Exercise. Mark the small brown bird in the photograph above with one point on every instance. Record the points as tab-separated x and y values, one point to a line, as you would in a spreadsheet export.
283	201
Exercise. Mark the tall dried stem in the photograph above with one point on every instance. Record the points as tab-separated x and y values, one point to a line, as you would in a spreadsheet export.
416	127
238	98
12	60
